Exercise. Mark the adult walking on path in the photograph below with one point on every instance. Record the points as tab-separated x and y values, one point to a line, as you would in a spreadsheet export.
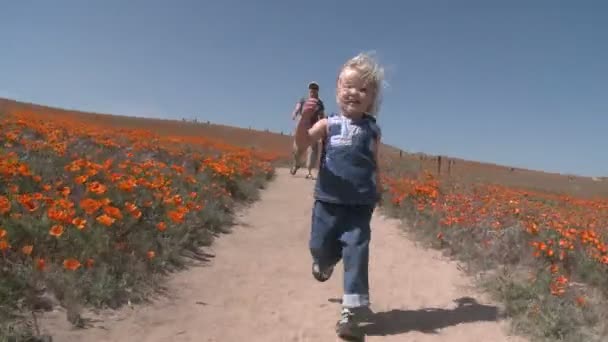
312	155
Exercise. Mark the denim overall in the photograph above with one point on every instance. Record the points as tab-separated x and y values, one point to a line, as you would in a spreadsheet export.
345	198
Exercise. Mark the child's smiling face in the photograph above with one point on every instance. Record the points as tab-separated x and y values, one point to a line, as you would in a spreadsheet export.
354	94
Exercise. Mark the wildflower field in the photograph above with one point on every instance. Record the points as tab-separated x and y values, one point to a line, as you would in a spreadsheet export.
544	256
93	215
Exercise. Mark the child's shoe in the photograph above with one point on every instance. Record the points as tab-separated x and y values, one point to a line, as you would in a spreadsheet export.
321	275
347	327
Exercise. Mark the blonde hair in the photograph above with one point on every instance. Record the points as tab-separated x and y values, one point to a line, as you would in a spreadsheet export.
371	72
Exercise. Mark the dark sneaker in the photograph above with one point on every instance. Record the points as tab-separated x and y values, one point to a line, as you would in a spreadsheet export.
321	275
347	327
293	170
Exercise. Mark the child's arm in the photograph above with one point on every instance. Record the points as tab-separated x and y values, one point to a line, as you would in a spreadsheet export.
306	135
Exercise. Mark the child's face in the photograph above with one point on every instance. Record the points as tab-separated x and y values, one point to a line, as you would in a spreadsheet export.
354	95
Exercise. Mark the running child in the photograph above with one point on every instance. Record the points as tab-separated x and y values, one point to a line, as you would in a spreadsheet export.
348	187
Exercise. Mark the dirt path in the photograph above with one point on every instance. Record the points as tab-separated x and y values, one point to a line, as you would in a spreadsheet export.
259	288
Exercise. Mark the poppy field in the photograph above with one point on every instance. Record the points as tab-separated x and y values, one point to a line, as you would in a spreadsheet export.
543	255
94	215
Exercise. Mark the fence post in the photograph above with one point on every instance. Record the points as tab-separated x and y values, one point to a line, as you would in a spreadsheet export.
439	165
449	167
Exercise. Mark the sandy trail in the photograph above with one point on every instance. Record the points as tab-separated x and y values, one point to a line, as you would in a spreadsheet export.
259	288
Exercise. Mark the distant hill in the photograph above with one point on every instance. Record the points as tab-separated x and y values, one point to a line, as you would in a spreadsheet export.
463	170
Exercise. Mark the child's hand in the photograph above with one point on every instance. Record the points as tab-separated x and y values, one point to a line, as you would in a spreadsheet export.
310	107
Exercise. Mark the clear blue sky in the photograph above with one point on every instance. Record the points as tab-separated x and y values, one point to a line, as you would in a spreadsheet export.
522	83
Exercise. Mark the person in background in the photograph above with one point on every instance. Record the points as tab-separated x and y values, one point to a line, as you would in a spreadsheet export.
312	150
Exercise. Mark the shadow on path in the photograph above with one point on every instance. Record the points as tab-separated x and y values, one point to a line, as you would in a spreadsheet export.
427	320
